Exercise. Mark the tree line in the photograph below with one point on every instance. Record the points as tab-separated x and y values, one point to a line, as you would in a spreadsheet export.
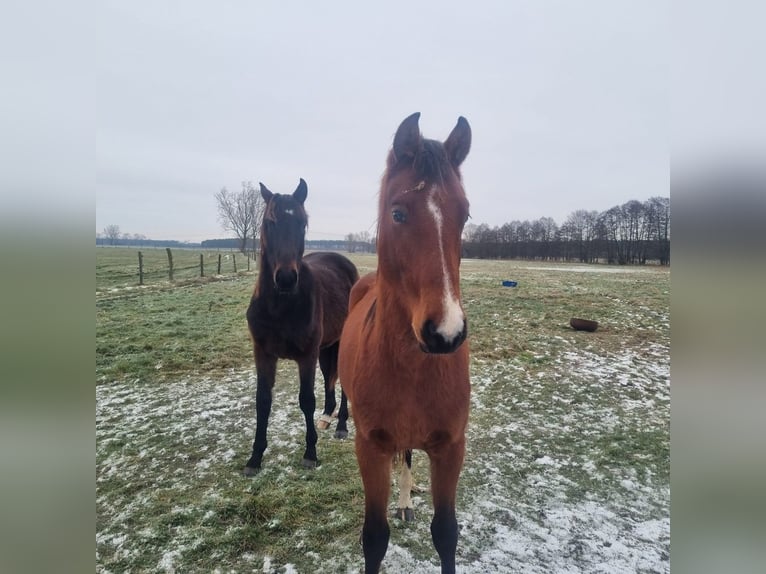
111	235
632	233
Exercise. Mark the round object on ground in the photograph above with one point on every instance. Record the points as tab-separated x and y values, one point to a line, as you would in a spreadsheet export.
583	324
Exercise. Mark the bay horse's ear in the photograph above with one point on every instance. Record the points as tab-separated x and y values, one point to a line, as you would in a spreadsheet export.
407	141
458	144
265	193
301	192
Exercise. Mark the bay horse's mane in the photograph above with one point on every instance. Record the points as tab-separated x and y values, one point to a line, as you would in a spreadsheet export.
430	164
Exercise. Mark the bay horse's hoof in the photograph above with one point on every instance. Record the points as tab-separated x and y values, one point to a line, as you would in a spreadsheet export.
406	514
310	463
341	434
250	471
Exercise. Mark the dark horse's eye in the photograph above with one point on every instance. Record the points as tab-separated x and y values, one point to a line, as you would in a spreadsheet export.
398	216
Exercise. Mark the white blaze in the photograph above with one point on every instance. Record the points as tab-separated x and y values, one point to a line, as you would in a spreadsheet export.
452	321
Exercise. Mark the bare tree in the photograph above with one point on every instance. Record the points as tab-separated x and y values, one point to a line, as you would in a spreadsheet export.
350	242
241	213
469	232
579	233
361	241
112	233
658	213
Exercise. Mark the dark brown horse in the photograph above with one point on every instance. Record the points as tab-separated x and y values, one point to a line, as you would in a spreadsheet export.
296	312
403	361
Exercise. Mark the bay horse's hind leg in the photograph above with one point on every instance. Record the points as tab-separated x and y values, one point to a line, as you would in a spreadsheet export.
404	509
266	369
446	463
307	400
328	364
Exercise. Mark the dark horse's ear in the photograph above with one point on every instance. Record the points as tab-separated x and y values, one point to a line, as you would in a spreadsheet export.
265	193
407	141
301	192
458	144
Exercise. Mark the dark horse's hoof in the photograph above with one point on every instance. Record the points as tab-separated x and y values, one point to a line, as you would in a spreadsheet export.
406	514
250	471
341	434
310	463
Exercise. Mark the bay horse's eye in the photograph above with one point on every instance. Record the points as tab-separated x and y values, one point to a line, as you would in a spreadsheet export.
398	216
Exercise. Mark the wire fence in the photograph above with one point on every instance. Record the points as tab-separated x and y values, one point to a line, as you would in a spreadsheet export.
125	266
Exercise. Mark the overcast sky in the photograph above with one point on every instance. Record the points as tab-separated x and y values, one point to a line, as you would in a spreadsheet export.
567	102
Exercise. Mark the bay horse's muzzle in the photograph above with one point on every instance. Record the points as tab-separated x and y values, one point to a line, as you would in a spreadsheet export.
435	343
286	279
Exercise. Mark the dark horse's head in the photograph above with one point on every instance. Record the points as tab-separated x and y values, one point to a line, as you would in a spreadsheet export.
282	236
422	210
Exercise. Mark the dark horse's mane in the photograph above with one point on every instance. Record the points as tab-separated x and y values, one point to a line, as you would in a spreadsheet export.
278	201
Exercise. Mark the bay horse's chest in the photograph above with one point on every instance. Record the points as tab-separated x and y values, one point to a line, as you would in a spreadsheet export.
416	403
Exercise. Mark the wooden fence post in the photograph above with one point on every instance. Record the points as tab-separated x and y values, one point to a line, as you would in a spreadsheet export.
170	263
140	268
201	265
219	264
234	258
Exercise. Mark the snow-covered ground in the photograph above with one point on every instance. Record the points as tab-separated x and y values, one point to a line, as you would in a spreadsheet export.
557	478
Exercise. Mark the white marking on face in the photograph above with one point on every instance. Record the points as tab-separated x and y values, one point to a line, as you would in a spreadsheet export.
453	321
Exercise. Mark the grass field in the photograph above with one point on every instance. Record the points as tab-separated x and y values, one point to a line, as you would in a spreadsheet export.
567	468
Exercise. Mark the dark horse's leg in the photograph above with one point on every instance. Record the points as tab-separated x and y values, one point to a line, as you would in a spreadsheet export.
266	368
341	431
307	400
446	463
375	468
328	364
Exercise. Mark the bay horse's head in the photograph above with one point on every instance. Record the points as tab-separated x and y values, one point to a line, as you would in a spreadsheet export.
283	233
422	211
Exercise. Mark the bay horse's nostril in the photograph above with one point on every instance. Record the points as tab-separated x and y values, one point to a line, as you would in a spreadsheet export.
286	279
434	342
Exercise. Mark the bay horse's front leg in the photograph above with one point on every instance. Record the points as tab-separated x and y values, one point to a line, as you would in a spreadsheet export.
446	462
266	369
375	468
307	400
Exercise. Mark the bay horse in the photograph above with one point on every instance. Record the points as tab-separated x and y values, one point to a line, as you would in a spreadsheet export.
403	357
296	312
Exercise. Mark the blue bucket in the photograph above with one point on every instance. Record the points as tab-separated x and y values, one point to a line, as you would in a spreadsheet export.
509	283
